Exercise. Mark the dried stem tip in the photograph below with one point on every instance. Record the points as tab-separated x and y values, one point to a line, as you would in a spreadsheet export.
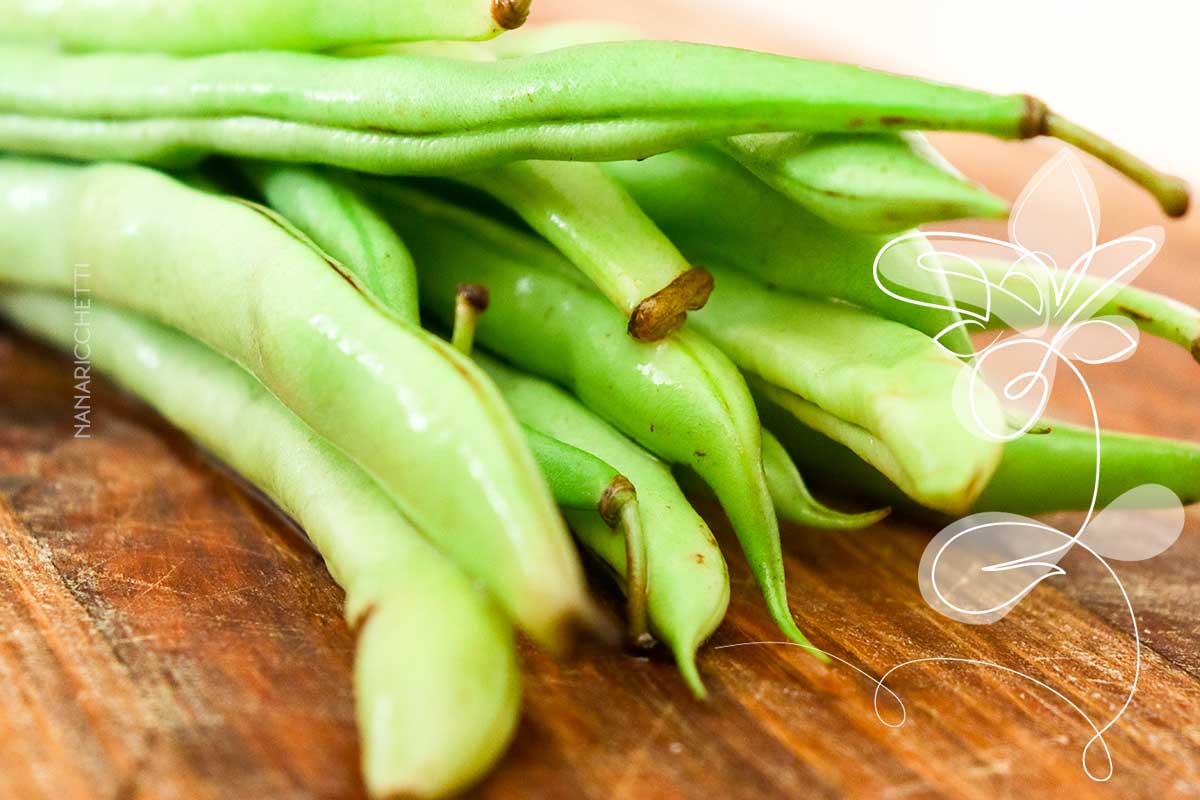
510	14
666	310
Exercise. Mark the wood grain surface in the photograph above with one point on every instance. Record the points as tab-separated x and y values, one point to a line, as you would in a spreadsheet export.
164	633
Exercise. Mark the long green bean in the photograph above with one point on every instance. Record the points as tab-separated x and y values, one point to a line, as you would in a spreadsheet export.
882	182
437	684
418	115
418	416
209	26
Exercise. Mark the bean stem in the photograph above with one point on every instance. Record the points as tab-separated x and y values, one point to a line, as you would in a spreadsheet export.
619	509
1172	193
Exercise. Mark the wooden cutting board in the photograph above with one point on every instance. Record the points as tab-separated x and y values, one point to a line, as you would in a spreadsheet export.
163	633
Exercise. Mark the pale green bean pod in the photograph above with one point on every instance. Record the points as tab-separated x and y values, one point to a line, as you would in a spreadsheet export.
436	679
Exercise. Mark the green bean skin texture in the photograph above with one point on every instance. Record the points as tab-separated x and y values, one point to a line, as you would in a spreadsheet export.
717	212
1039	473
1153	313
678	397
875	183
597	225
688	579
436	678
209	26
884	389
343	224
415	414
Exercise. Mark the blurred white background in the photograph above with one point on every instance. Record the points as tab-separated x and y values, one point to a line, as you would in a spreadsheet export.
1130	69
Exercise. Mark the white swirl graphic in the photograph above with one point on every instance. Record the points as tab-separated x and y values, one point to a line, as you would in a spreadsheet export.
1046	317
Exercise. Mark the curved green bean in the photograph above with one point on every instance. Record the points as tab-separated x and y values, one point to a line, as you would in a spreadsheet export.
876	183
344	224
796	504
597	225
210	26
678	397
437	683
883	389
418	115
717	212
418	416
688	589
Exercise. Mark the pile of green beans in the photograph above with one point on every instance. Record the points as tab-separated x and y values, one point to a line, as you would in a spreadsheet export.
361	256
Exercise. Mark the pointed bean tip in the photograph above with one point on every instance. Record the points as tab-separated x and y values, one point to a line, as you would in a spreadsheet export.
685	662
510	14
1196	350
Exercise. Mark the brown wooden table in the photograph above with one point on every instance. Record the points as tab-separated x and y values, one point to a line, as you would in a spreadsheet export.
165	634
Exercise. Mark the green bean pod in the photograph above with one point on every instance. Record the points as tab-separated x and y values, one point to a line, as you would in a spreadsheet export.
415	414
344	224
882	182
688	586
437	684
883	389
1038	474
875	183
1153	313
679	397
211	26
416	115
597	225
717	212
